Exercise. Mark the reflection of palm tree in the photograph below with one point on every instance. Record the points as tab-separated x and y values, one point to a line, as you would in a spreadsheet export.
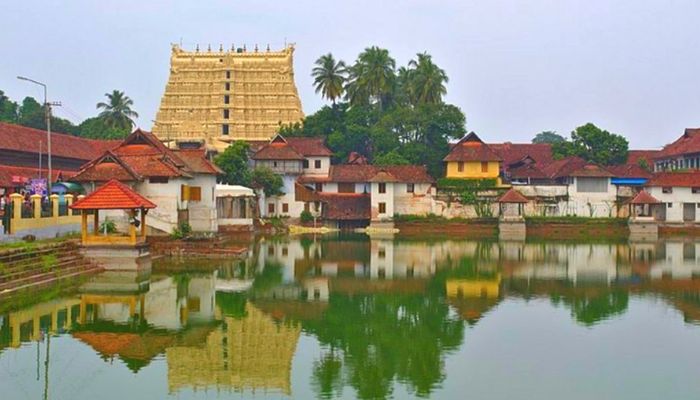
591	310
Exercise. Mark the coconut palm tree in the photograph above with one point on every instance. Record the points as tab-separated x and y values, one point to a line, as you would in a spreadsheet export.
329	77
427	80
117	113
372	77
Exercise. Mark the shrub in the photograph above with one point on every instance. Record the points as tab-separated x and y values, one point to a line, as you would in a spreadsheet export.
461	185
108	226
306	216
182	230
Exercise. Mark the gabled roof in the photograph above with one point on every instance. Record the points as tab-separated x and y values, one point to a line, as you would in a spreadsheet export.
383	176
644	198
30	140
527	171
113	195
512	196
633	156
471	148
293	148
688	143
512	153
564	167
676	178
591	171
366	173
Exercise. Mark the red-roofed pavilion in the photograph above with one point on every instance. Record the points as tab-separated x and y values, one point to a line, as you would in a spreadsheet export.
113	195
643	206
511	204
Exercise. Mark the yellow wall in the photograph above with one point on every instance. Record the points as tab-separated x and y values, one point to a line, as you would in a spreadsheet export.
472	170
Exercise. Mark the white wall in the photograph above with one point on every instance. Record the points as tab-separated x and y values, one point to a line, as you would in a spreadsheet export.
676	199
313	171
591	204
386	198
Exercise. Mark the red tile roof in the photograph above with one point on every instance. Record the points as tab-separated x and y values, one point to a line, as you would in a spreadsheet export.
676	178
688	143
633	156
356	158
21	138
513	196
113	195
644	198
346	206
527	171
471	148
511	153
628	171
196	160
11	176
564	167
294	148
366	173
592	171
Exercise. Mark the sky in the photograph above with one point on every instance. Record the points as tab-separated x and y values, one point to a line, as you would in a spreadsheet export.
516	67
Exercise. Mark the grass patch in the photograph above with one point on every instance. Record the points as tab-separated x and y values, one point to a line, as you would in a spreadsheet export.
575	220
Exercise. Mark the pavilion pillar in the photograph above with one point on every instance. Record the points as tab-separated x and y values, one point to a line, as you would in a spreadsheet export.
16	199
69	202
96	223
143	222
132	228
83	226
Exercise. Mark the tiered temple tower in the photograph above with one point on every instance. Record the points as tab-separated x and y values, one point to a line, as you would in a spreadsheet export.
217	97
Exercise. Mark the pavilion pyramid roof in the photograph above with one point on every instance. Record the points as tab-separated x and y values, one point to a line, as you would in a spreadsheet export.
513	196
644	197
113	195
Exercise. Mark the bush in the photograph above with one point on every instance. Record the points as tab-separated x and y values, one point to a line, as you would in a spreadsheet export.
306	216
182	230
461	185
108	226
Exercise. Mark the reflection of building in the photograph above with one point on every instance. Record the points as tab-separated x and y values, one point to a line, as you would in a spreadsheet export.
251	353
473	297
27	324
215	97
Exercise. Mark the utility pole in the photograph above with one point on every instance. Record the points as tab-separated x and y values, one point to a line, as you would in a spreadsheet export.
47	110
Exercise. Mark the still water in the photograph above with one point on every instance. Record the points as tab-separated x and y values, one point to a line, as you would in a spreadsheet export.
350	317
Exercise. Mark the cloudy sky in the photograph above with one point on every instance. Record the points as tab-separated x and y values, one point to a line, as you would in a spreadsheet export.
515	67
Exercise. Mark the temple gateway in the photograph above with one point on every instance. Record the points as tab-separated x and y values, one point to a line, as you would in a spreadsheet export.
213	98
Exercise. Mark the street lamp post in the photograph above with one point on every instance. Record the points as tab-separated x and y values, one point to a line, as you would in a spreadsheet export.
47	108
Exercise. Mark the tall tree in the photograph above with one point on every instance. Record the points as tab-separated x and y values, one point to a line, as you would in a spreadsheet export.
372	78
234	162
329	77
8	109
594	145
117	113
426	80
549	137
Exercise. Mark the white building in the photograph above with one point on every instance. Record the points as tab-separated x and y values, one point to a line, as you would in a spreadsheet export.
679	193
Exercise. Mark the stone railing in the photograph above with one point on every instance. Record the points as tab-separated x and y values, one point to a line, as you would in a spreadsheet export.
60	218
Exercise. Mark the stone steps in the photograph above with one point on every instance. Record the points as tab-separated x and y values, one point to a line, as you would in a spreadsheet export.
43	276
50	281
40	266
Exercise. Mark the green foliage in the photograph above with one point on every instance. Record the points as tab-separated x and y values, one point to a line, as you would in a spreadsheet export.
371	80
109	226
461	185
393	157
117	112
593	145
8	109
182	230
267	180
96	128
49	261
234	162
644	164
306	216
549	137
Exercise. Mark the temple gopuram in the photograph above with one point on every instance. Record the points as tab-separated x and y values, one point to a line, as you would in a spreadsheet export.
213	98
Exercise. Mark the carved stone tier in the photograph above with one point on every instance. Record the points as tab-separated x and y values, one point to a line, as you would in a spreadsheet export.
216	97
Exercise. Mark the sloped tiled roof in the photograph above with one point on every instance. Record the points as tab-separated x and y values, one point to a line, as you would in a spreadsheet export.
113	195
527	171
688	143
294	148
471	148
633	156
511	153
591	171
644	198
11	176
20	138
564	167
676	178
512	196
196	160
365	173
628	171
310	146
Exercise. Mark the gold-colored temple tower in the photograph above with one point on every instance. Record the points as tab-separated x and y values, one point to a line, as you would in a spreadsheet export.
217	97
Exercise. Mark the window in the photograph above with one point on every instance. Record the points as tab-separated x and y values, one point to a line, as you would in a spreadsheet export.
591	185
306	163
271	208
669	205
667	190
195	193
460	166
484	166
228	74
226	113
696	190
382	187
227	99
410	188
345	187
270	251
317	164
224	129
285	207
227	86
285	251
158	179
381	253
382	208
319	187
274	163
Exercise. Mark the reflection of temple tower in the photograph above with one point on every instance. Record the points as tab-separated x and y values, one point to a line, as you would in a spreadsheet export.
252	353
216	97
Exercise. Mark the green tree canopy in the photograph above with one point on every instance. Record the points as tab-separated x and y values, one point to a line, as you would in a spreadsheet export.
96	128
329	77
117	112
594	145
234	162
266	179
372	78
8	109
549	137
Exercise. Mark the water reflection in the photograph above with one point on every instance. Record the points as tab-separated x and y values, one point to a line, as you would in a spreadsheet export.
385	314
